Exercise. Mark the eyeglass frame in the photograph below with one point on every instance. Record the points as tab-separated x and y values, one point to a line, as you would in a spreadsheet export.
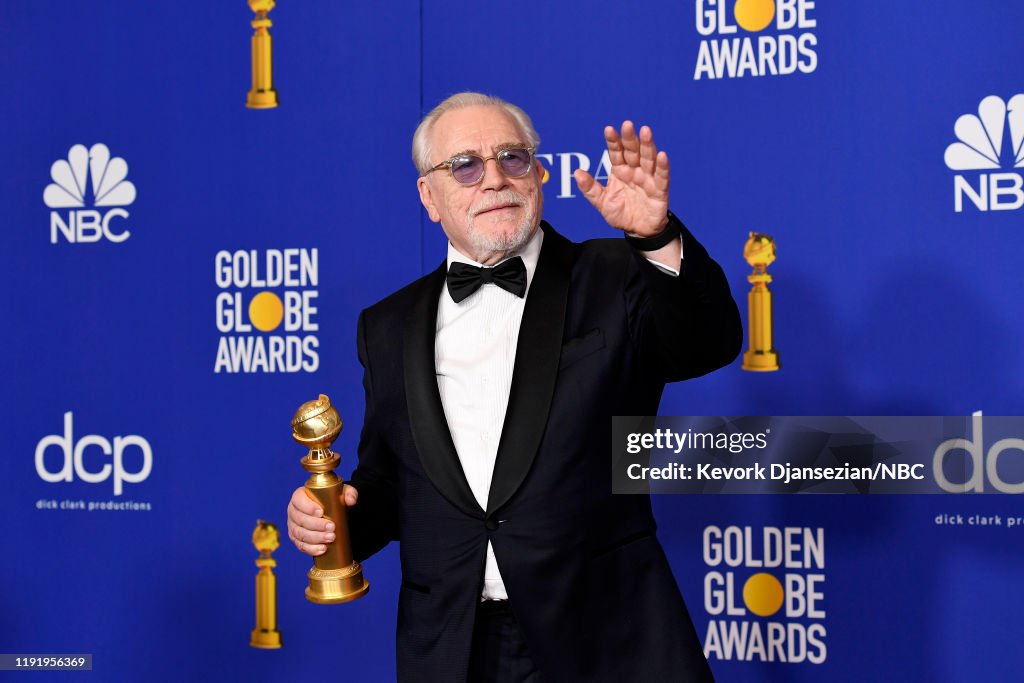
447	163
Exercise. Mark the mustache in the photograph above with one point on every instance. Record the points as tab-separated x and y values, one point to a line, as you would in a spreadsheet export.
503	198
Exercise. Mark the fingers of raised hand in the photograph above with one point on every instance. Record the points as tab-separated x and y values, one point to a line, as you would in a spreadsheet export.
614	142
633	149
661	172
590	188
648	151
630	144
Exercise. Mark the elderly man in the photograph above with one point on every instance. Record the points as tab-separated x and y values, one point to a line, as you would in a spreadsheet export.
490	387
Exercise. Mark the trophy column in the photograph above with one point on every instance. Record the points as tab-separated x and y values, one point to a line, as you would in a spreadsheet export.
336	576
761	356
266	635
262	94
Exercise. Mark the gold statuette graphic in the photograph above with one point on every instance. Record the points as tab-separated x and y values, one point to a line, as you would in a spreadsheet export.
266	635
336	576
761	356
262	95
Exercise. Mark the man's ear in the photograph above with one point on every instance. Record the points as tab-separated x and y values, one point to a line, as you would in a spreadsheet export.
542	171
427	199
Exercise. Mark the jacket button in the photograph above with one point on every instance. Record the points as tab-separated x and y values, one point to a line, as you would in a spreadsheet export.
491	524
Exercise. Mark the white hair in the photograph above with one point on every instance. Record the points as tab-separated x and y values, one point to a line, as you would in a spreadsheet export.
421	139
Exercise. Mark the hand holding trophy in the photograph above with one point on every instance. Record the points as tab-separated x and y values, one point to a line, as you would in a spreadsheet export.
336	576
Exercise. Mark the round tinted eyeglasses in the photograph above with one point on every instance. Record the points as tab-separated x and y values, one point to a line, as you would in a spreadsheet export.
468	169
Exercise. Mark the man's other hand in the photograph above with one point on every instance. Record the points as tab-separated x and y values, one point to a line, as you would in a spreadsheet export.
309	530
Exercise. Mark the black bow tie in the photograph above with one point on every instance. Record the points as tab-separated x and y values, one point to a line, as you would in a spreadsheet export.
464	279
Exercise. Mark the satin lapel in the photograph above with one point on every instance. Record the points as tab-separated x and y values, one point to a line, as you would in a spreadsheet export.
426	414
536	369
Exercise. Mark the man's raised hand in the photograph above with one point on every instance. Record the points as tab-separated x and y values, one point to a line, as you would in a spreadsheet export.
635	199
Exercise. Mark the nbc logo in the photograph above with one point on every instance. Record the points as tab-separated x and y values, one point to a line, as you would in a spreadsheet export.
784	43
71	188
984	146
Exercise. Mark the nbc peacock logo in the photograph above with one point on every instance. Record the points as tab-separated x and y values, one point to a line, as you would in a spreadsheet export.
89	177
984	145
755	38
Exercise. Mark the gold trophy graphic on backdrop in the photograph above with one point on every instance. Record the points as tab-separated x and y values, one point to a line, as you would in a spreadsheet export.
761	356
335	576
262	95
266	635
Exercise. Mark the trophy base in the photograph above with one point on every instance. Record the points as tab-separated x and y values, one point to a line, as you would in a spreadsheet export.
267	640
262	99
761	361
333	586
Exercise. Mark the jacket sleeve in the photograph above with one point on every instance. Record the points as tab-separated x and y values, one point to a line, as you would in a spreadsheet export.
683	326
374	519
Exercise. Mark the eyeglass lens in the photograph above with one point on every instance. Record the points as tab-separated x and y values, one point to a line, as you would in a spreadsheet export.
469	168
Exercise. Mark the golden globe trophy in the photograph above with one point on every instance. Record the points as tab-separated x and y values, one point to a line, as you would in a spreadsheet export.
761	356
262	95
266	635
336	576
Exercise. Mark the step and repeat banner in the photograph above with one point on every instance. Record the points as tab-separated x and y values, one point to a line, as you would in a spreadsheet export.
182	272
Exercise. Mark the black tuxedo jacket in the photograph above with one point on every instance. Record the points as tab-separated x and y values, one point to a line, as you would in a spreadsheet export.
588	582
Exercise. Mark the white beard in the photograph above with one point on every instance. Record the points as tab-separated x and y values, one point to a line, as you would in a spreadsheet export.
483	240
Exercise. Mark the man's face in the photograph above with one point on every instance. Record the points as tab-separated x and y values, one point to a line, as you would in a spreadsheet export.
487	220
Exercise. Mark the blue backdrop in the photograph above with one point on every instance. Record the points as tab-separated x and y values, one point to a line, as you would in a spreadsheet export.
133	386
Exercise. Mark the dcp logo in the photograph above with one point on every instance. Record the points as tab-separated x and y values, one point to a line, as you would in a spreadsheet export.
983	465
984	146
73	461
71	189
